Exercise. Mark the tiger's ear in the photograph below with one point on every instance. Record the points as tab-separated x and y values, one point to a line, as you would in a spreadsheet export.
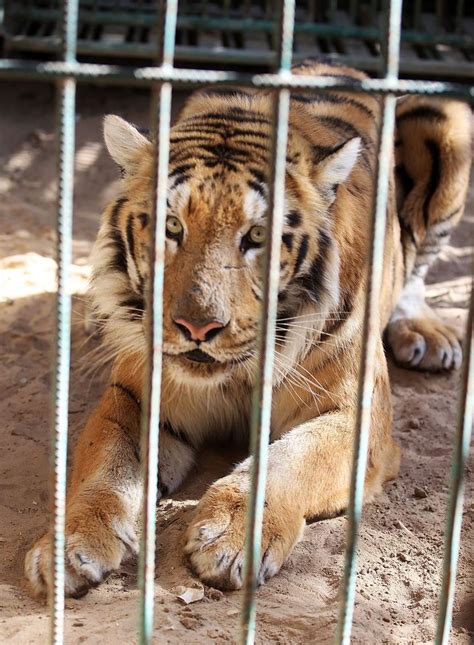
124	142
337	165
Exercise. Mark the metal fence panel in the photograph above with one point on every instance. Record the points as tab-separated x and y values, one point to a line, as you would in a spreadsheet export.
161	78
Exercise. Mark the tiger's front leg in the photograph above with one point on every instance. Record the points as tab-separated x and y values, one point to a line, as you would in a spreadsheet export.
105	493
309	471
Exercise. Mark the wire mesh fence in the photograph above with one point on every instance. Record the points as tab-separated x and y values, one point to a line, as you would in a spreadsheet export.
161	78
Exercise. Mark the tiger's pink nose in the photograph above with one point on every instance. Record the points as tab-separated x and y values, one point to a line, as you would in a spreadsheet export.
202	333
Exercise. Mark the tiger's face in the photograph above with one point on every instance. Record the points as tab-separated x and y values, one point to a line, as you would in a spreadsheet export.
215	235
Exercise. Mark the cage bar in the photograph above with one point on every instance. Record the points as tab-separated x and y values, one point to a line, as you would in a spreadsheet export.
161	124
462	442
65	122
371	326
262	395
66	73
148	76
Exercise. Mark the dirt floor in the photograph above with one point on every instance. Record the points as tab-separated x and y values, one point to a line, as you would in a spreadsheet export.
402	532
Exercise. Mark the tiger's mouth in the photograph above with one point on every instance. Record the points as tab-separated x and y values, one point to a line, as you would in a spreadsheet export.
201	359
198	356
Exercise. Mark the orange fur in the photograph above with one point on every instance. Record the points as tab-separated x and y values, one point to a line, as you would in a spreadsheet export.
218	194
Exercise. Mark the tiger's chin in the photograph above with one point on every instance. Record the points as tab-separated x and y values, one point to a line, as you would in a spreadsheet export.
197	369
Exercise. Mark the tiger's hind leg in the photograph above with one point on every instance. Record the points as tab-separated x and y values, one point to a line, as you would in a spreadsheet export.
433	155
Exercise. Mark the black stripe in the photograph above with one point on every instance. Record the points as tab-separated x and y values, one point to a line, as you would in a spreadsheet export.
258	134
221	130
135	306
257	187
321	152
404	179
144	219
225	152
302	252
250	147
257	174
128	392
287	240
435	177
236	114
131	241
119	262
196	139
426	112
313	281
189	152
226	164
116	210
407	229
344	127
183	168
294	219
332	98
135	301
338	318
180	180
202	129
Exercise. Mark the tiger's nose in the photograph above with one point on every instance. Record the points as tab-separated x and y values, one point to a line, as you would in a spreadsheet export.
195	332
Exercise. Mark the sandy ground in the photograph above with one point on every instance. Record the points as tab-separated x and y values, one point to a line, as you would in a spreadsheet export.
402	533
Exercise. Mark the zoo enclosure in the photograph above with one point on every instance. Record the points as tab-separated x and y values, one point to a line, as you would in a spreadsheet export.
161	77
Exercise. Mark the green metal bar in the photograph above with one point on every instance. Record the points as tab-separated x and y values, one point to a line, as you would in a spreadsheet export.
65	121
254	24
262	395
248	56
147	76
370	332
417	13
458	469
152	390
459	13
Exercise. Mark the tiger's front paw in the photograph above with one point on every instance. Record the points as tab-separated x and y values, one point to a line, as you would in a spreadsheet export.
95	545
215	538
424	344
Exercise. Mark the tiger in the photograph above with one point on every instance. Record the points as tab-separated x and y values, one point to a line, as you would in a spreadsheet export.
216	227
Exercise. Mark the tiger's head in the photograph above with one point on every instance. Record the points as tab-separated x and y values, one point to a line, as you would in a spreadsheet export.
215	235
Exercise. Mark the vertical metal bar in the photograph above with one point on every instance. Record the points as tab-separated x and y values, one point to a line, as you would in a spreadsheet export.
417	14
152	389
65	120
458	468
370	331
262	396
459	14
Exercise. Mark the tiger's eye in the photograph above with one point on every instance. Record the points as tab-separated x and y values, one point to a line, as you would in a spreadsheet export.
174	228
257	235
